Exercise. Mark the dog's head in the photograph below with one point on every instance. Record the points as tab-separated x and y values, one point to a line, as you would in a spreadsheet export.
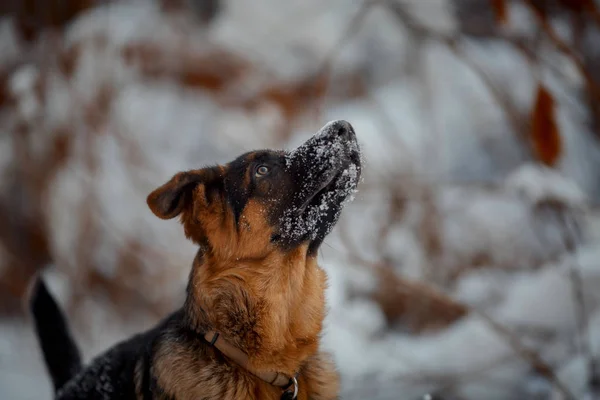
266	200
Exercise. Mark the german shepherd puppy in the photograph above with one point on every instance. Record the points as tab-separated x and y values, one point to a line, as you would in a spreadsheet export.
255	285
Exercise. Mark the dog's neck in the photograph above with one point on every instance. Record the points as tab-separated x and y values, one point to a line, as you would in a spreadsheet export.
272	308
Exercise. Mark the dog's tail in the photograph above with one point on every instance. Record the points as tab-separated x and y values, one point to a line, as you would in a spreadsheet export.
60	351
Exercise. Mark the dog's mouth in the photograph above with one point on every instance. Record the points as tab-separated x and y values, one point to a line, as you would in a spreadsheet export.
326	169
315	198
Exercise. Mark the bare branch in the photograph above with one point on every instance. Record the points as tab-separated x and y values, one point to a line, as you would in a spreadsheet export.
454	44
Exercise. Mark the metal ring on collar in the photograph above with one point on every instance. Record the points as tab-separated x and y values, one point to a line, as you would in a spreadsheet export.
295	381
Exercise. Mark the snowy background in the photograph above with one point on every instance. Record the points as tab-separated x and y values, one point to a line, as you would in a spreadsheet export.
468	265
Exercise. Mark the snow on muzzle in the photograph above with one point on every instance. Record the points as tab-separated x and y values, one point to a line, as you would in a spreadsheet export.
323	157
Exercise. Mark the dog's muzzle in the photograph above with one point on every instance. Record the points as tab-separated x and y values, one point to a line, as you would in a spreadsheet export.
321	158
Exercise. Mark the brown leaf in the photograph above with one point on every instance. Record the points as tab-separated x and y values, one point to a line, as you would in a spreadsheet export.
500	11
545	138
34	16
61	148
212	70
415	306
96	112
68	58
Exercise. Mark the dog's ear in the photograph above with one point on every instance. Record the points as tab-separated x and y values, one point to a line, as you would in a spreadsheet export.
168	201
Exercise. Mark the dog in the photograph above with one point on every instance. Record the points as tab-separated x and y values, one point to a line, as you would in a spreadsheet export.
251	322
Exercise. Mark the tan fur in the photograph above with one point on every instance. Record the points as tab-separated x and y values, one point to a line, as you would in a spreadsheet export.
268	302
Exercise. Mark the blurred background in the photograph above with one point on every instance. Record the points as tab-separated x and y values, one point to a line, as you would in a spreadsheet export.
468	265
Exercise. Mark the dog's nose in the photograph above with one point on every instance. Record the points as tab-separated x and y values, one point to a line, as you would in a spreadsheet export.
343	128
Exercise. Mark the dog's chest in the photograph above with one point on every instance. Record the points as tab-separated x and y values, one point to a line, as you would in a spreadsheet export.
186	375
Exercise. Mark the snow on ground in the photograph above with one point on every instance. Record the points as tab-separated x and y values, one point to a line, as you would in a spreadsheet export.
430	146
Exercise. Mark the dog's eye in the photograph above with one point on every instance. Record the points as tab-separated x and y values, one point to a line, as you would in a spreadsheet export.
262	170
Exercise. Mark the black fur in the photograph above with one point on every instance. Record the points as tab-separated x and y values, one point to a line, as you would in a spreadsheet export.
111	375
60	352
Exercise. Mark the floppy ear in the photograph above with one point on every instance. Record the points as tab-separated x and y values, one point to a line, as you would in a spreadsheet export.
168	201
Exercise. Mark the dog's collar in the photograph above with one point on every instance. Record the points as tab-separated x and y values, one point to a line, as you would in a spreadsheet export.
279	379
